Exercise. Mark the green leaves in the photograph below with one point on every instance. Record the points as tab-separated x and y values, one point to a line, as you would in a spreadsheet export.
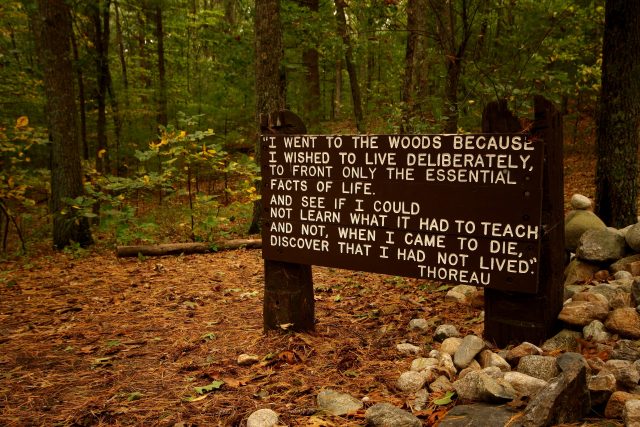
215	385
446	399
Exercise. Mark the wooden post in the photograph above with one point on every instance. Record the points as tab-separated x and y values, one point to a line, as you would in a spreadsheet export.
288	287
516	317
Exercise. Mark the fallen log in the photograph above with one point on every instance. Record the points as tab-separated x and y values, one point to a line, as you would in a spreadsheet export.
186	248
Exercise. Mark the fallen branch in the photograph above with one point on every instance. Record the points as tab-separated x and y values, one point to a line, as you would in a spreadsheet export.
186	248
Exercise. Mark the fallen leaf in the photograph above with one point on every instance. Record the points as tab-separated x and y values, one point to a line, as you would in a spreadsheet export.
215	385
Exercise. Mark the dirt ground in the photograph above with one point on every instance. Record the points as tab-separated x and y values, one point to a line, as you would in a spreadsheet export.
97	340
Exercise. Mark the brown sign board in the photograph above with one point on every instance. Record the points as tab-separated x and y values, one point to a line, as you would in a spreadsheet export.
451	208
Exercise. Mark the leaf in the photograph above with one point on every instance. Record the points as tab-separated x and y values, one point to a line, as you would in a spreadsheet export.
22	122
215	385
136	395
101	153
446	399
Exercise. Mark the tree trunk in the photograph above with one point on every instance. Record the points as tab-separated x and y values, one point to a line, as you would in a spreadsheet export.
52	26
120	43
618	118
351	68
337	100
81	99
310	58
100	15
414	60
162	80
270	80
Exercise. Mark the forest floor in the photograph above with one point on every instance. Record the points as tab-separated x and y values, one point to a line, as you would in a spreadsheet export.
97	340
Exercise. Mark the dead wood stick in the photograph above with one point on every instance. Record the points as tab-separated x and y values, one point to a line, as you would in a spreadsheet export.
185	248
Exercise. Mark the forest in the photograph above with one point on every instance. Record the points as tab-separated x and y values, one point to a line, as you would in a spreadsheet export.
164	97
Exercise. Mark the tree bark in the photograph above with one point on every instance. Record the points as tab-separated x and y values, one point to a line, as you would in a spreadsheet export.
81	99
351	68
618	120
52	25
162	79
270	79
100	15
310	58
414	61
185	248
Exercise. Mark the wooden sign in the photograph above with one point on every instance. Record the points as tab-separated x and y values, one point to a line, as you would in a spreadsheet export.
452	208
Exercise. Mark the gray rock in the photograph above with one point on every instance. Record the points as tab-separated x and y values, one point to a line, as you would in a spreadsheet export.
601	387
623	275
606	290
441	384
542	367
411	381
524	384
478	386
626	374
624	321
460	293
580	202
579	271
596	332
445	331
631	413
598	294
632	236
386	415
494	372
576	223
565	340
564	399
468	350
571	290
625	264
263	418
446	365
601	246
626	350
525	349
451	345
419	325
422	363
248	359
581	313
478	415
335	403
571	361
406	348
488	358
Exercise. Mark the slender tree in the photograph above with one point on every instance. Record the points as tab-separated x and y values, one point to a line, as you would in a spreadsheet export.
311	60
618	120
163	117
415	61
270	79
52	27
351	67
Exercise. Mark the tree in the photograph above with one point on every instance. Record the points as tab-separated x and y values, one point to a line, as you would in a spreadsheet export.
52	27
270	79
618	120
415	63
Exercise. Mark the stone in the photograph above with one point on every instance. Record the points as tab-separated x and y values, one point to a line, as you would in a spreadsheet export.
601	246
595	294
411	381
596	332
263	418
478	386
581	313
525	349
596	364
616	403
601	387
524	385
606	290
453	296
626	350
335	403
601	275
631	413
441	384
624	321
422	363
494	372
571	290
451	345
477	299
460	293
247	359
445	331
478	415
564	399
580	202
386	415
470	347
626	374
624	264
623	275
407	348
576	223
446	365
419	325
571	361
635	290
632	237
421	400
565	340
542	367
578	271
488	358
